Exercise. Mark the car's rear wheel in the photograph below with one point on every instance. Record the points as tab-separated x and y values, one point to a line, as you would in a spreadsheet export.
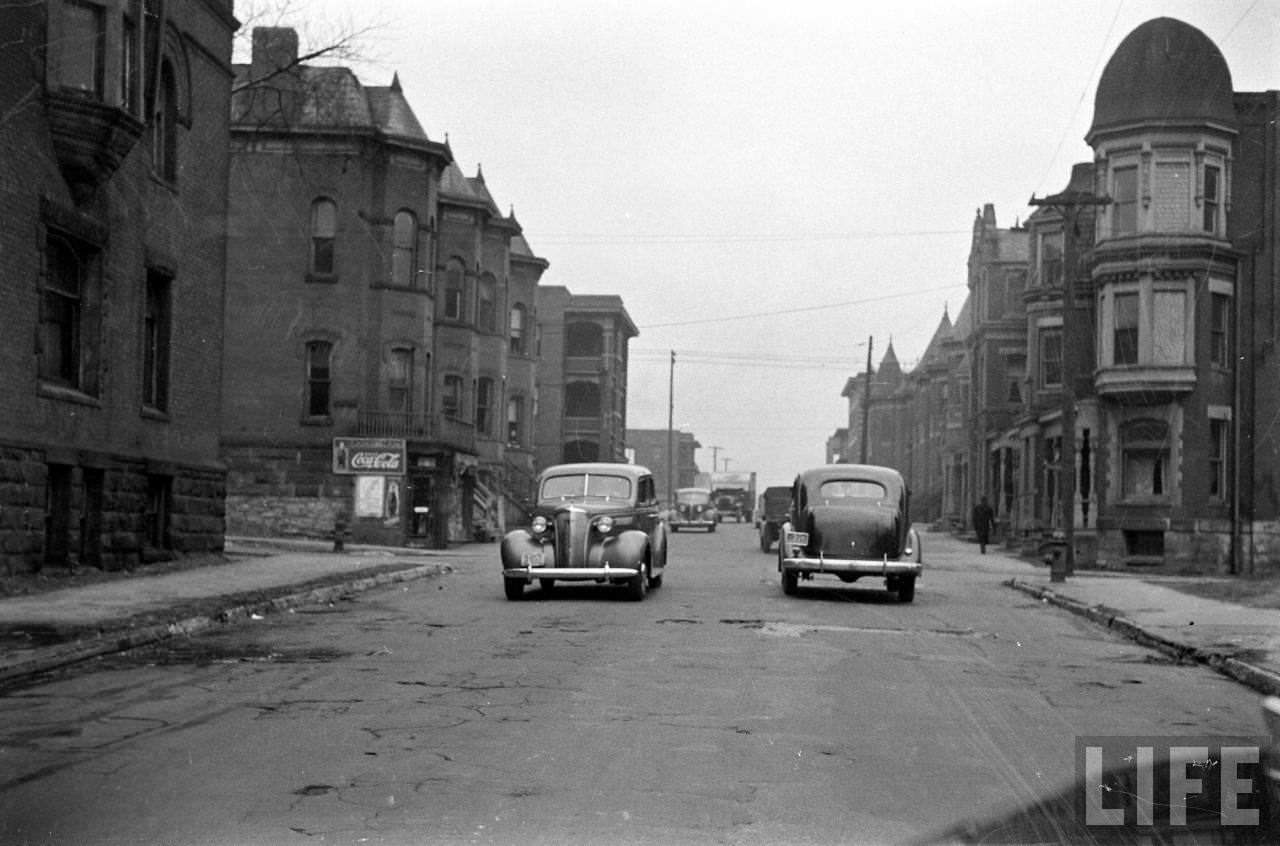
790	578
637	585
907	589
514	588
547	584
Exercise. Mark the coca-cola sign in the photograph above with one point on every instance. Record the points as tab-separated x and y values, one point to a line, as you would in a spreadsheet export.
375	461
368	456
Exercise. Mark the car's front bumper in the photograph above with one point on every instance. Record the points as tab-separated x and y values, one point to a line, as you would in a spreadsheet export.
693	524
852	566
571	574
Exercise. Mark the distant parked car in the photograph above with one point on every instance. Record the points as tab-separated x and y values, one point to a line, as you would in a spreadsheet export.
850	521
694	510
595	522
771	514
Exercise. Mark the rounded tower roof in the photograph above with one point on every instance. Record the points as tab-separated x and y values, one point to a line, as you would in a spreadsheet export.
1165	71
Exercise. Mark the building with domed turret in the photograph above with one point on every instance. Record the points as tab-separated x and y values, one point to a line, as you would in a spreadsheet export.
1125	334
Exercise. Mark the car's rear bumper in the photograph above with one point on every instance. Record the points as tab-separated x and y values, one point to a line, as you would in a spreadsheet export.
852	566
571	574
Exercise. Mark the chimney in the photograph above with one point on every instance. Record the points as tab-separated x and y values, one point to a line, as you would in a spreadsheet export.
275	75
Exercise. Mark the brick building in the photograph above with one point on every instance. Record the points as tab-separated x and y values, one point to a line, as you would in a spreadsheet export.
379	363
582	411
113	193
648	448
1129	327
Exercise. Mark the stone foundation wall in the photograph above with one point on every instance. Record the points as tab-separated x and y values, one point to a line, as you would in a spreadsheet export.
196	512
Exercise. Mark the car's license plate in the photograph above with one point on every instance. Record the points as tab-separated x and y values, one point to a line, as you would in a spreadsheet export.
531	559
797	539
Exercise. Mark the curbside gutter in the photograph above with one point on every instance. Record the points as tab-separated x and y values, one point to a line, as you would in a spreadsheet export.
1261	680
128	634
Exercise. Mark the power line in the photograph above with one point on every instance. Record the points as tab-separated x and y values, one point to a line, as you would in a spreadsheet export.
616	239
777	312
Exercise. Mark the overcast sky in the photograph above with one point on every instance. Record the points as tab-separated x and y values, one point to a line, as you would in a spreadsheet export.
766	185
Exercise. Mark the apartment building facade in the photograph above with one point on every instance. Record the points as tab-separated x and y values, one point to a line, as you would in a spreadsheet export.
113	193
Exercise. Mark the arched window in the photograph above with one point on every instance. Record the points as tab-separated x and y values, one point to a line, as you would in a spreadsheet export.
518	317
454	290
319	378
400	380
515	420
324	230
484	404
404	251
451	397
580	450
164	126
584	340
486	312
582	399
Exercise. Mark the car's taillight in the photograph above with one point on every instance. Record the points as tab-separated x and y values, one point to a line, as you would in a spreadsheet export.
539	525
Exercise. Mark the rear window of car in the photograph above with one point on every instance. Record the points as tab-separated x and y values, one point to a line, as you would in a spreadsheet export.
851	491
586	486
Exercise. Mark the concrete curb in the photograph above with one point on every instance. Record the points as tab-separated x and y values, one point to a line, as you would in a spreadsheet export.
121	636
1250	675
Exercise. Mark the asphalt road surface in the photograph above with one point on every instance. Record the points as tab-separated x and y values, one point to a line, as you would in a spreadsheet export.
717	710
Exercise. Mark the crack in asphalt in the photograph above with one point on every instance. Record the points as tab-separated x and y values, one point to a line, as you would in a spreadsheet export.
780	628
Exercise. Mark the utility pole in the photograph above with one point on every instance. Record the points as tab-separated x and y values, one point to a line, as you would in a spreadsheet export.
1068	203
726	465
671	410
866	405
715	459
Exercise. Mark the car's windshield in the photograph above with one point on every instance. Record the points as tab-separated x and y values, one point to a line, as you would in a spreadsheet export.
850	491
586	486
696	496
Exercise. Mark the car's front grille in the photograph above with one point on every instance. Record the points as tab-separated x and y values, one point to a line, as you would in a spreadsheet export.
572	525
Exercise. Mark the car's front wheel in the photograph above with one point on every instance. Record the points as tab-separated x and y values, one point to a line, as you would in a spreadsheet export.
907	589
637	585
514	588
790	578
547	584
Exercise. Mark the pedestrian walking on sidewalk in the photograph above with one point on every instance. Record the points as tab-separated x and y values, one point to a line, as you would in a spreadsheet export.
984	518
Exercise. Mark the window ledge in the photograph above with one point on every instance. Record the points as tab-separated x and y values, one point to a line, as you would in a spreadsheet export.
322	278
65	393
317	420
150	412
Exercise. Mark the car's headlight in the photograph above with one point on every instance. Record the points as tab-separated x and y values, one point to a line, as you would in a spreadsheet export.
539	525
604	525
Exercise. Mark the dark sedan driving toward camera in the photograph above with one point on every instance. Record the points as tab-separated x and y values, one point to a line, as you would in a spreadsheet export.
594	522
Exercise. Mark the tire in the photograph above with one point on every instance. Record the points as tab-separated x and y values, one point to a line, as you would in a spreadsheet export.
907	589
789	581
764	540
514	588
674	528
712	529
638	585
547	584
655	582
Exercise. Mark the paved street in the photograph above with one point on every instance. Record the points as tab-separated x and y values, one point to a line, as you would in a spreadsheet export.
716	711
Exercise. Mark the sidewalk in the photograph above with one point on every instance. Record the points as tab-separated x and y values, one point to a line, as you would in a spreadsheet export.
1239	641
44	631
